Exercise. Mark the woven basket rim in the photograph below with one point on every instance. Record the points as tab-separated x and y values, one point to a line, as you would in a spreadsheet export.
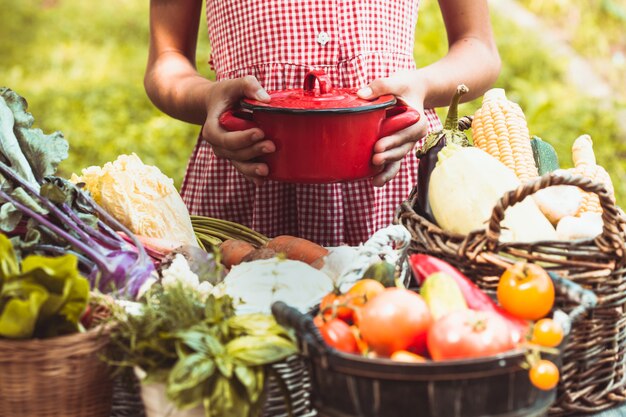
62	346
610	241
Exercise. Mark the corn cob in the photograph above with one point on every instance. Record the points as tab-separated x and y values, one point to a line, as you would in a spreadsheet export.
211	232
585	164
499	128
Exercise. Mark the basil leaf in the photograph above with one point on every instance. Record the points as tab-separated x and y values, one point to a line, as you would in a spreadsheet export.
227	400
189	372
260	350
255	325
251	380
225	365
200	339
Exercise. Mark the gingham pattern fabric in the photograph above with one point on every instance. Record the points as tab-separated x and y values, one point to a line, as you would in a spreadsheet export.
278	41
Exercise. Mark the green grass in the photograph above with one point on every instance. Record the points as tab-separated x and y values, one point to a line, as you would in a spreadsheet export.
80	65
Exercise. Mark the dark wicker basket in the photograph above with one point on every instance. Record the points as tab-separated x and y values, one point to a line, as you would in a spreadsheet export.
347	385
594	362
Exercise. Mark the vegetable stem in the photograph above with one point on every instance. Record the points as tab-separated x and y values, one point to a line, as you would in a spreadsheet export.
452	120
86	249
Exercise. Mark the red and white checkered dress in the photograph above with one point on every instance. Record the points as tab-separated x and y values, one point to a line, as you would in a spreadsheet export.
278	41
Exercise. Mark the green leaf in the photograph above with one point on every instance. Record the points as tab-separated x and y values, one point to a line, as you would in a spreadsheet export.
25	198
43	152
225	365
20	312
226	399
252	379
256	324
189	398
200	339
9	265
54	193
9	217
260	350
9	144
68	291
189	372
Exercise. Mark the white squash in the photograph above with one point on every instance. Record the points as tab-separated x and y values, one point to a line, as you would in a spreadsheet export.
466	184
256	285
587	226
559	201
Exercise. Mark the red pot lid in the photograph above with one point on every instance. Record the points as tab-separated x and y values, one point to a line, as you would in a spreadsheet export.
318	95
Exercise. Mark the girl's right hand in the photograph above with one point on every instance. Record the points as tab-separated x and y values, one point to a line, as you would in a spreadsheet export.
240	147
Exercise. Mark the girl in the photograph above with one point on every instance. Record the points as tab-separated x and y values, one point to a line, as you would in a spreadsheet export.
266	45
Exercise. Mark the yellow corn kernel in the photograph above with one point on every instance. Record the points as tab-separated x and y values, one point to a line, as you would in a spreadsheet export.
500	129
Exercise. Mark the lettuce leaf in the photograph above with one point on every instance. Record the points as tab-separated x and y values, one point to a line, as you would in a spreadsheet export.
46	298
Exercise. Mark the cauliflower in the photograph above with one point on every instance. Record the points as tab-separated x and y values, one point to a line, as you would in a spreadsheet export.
179	272
141	197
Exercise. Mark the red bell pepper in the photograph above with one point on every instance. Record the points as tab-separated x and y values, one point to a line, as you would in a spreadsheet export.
424	265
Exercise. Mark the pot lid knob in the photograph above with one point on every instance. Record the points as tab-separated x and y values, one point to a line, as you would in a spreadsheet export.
322	79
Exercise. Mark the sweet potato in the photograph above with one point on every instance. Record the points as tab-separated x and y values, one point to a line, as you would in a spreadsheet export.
297	248
260	253
233	251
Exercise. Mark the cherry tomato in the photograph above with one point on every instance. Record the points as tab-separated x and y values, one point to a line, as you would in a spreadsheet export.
406	356
396	319
469	334
337	334
526	291
335	305
547	332
544	375
363	291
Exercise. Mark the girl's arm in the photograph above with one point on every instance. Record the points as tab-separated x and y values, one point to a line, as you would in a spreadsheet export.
171	79
472	59
174	85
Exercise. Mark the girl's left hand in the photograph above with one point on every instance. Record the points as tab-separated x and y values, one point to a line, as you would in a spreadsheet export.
390	150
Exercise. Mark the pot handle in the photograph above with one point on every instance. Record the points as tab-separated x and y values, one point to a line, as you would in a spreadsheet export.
237	120
397	118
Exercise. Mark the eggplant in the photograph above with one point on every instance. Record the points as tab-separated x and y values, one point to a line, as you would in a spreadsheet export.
428	153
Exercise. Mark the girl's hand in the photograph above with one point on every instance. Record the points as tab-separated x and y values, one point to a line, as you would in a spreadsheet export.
243	146
389	151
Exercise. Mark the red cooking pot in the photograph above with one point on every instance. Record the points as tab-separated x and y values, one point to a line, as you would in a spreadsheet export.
322	134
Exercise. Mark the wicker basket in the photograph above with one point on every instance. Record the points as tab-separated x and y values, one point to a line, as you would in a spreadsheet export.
61	376
594	376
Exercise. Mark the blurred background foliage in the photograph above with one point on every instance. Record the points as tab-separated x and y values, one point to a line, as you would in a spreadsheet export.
80	65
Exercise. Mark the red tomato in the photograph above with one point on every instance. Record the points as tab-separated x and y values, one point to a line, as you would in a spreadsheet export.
337	333
468	334
526	291
335	305
396	319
